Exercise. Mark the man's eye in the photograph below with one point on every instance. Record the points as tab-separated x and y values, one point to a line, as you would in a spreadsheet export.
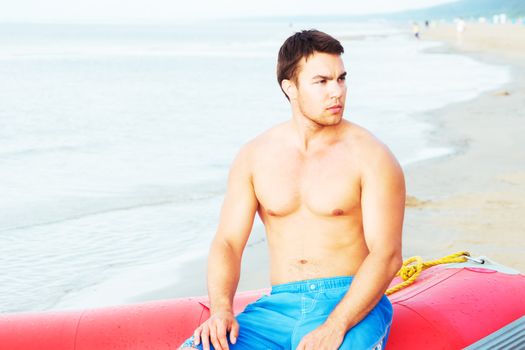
321	81
342	79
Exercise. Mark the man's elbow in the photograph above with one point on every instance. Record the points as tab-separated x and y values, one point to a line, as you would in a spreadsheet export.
396	261
225	247
392	260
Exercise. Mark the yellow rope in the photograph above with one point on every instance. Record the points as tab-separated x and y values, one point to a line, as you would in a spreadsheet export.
412	268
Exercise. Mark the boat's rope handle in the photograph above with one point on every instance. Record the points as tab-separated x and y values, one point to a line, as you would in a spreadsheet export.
412	268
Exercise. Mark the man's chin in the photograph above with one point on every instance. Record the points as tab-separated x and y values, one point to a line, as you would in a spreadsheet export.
327	120
331	121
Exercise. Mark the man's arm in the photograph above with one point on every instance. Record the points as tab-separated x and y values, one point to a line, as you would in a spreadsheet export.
383	205
224	261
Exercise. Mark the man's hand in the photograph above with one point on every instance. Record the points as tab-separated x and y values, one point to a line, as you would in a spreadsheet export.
324	337
215	329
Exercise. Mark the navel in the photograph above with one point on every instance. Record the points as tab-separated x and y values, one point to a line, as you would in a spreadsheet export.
303	261
338	212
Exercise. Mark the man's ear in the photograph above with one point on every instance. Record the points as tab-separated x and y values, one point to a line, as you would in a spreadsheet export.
289	88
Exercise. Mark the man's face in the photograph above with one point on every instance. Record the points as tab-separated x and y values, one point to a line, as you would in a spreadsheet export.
321	88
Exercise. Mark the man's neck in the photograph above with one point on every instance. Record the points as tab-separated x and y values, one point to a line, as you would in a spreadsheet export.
312	136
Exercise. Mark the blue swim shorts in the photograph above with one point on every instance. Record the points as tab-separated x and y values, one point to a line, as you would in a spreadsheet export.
280	320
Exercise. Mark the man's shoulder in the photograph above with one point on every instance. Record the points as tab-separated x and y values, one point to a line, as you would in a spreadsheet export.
362	139
265	140
262	143
372	152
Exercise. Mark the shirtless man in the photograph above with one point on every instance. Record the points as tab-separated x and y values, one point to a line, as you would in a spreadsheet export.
331	197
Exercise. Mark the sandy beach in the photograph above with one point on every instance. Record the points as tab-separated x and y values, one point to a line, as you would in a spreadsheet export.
472	200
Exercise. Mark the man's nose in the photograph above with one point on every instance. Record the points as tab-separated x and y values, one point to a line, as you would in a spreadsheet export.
336	89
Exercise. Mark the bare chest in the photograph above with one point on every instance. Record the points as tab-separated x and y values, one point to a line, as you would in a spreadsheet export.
324	184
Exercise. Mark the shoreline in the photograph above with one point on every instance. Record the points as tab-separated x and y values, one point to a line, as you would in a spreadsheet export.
473	200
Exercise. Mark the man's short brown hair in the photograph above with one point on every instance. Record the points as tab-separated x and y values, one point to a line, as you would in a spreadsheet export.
303	44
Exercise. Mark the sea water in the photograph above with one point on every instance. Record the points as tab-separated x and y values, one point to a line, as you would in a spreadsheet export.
115	140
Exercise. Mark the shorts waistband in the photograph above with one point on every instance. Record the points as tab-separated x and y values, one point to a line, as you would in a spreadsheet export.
313	285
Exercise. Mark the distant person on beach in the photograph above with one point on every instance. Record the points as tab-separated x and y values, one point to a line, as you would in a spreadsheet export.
331	197
460	29
415	30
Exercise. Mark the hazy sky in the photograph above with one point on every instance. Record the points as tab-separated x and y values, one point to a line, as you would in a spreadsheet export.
163	10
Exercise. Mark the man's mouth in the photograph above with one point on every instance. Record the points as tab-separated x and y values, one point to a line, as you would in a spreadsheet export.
335	108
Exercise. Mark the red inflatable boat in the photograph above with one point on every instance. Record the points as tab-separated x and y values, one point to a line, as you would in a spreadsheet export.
473	305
